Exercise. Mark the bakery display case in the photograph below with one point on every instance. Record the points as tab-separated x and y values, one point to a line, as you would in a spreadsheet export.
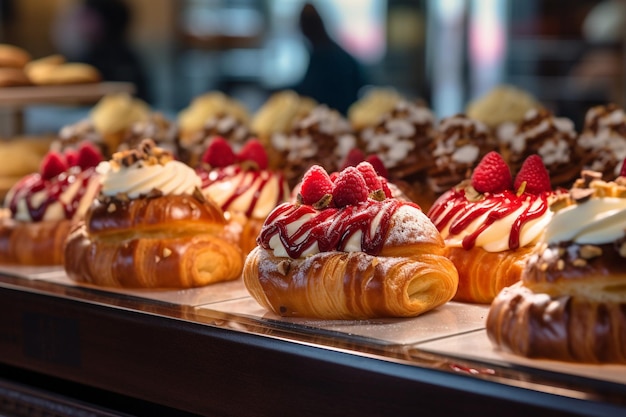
215	351
70	348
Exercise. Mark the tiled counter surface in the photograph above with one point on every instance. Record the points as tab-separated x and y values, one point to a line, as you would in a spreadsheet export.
450	339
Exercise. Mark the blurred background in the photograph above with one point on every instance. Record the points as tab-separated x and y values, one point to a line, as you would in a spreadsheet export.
569	55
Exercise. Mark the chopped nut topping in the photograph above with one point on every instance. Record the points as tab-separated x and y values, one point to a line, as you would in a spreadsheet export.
111	208
590	251
146	151
560	264
166	252
284	266
154	193
580	195
579	262
378	195
323	202
197	194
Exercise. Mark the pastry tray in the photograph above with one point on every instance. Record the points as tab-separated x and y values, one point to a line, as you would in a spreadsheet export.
454	330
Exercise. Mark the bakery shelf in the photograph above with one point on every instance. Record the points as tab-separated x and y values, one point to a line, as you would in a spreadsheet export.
61	94
214	351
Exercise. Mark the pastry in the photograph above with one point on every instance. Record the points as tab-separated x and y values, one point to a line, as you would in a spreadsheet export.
369	109
345	250
211	114
279	113
151	227
490	224
45	205
502	108
242	185
12	56
459	144
13	77
402	139
571	302
603	138
323	136
553	138
54	70
157	127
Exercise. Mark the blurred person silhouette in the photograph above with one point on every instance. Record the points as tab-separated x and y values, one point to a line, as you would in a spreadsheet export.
96	32
333	76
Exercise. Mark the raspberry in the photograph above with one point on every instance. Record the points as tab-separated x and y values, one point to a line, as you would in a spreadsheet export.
354	157
492	174
535	174
219	153
378	165
370	176
315	185
622	171
88	156
350	188
255	152
385	187
71	157
52	165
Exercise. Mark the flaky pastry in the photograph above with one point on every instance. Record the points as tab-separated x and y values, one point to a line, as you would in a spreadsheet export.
339	255
151	227
571	302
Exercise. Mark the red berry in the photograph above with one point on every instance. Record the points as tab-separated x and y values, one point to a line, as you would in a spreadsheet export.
350	188
535	174
255	152
315	184
622	171
52	165
492	174
378	165
88	156
71	157
353	158
370	176
219	153
385	186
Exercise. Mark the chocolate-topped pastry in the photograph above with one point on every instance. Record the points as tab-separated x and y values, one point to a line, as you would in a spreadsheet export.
401	139
209	115
459	144
70	136
323	137
570	304
552	138
157	127
604	138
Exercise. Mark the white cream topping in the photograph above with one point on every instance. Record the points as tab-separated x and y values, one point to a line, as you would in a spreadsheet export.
595	221
174	177
495	237
262	191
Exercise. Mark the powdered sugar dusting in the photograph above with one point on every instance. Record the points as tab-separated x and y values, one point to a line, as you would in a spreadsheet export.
410	226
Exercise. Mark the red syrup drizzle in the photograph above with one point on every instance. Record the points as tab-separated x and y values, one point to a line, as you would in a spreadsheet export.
331	228
211	177
497	206
52	188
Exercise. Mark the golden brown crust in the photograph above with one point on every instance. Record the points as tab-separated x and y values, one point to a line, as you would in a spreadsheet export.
33	243
13	77
568	328
483	274
174	241
342	285
13	56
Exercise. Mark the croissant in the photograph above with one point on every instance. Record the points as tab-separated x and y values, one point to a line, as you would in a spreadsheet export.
33	243
490	229
571	302
364	259
43	207
173	241
483	274
342	285
151	227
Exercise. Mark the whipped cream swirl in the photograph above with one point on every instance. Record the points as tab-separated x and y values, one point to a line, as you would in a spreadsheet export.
597	221
140	178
